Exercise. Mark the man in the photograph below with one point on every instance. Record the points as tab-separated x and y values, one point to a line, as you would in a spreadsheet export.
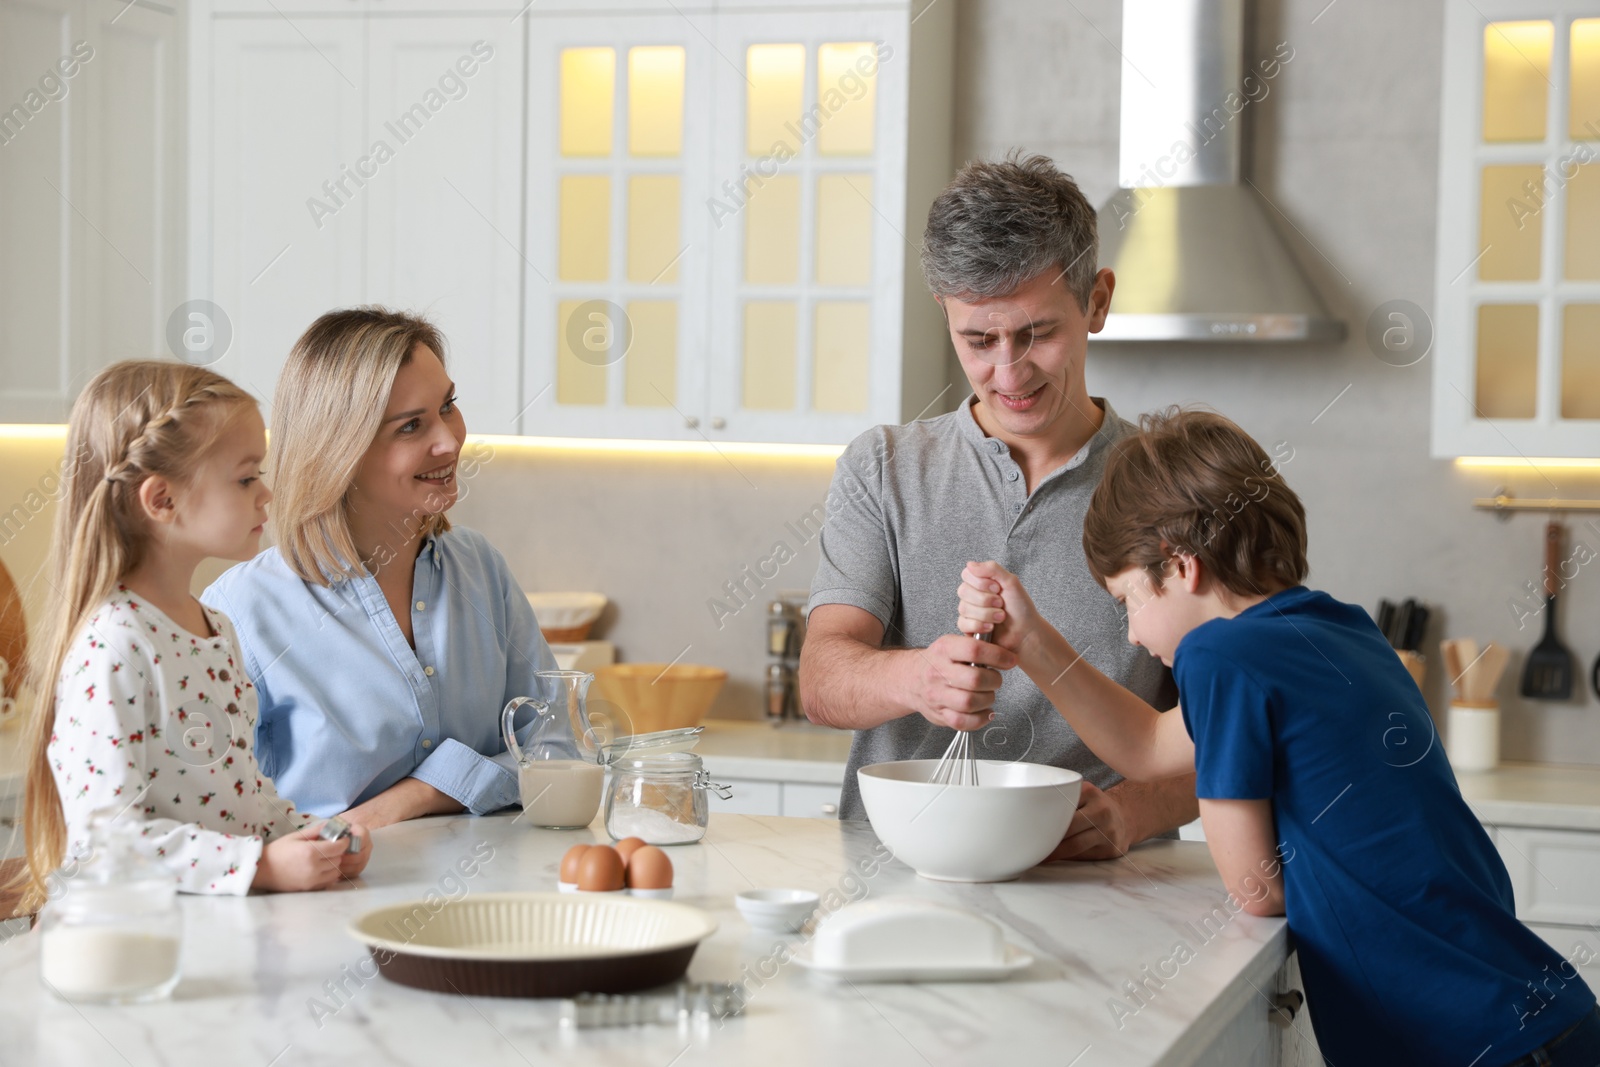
1010	255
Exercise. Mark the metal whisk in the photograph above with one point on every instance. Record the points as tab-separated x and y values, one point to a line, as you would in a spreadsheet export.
959	764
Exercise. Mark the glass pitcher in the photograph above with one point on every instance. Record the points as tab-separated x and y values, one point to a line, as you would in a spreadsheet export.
559	777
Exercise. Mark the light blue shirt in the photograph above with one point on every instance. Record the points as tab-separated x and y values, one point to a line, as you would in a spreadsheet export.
348	708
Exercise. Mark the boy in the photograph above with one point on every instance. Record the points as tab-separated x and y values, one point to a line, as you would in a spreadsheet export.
1323	791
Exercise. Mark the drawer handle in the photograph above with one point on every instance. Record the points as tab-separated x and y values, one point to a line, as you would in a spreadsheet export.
830	809
1285	1006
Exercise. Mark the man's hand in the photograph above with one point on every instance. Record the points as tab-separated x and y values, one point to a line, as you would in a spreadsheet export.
1100	830
948	690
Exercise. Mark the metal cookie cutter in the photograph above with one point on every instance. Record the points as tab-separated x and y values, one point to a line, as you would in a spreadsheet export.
336	829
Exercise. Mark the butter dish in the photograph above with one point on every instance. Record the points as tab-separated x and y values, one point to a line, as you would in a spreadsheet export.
907	939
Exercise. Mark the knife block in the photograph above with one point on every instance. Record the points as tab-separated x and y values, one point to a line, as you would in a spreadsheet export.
1416	663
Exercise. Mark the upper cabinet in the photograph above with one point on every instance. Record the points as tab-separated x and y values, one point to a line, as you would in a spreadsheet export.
1518	273
658	222
724	211
91	194
343	158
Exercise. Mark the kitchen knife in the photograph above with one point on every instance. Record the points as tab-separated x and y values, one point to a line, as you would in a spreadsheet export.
1416	628
1402	622
1385	619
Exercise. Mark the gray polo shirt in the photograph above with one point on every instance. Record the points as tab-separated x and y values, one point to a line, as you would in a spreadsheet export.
909	506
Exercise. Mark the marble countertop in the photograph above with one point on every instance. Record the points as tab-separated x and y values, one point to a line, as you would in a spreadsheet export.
793	752
274	980
1544	795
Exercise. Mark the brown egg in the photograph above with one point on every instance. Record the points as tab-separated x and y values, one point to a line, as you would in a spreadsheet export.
569	863
627	847
649	869
600	870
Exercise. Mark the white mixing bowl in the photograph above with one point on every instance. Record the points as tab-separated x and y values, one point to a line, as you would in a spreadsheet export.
991	832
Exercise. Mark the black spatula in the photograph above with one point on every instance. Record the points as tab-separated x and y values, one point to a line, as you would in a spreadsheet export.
1548	672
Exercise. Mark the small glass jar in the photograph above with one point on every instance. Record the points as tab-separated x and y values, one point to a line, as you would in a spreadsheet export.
114	933
660	798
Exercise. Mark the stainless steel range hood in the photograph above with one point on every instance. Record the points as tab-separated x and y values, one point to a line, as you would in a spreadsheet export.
1194	248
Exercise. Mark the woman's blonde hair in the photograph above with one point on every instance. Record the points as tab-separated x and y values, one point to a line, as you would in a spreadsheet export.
134	420
325	414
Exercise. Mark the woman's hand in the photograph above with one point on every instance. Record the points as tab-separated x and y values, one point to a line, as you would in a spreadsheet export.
994	602
302	861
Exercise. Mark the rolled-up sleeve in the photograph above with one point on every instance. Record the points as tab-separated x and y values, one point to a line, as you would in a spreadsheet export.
480	784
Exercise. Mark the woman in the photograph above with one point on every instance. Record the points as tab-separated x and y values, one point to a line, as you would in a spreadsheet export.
382	642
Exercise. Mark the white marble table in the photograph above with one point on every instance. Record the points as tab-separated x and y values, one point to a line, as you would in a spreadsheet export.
274	980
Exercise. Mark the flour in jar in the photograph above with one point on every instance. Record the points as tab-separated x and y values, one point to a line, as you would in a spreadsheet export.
652	827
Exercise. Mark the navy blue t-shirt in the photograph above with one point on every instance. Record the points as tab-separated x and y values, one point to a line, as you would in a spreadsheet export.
1398	904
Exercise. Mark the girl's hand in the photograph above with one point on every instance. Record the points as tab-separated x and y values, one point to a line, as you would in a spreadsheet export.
994	602
300	861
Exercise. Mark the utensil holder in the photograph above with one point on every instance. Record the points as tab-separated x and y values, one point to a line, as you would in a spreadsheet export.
1473	742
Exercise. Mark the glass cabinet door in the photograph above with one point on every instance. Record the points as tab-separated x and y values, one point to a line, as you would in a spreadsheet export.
1518	279
617	237
806	212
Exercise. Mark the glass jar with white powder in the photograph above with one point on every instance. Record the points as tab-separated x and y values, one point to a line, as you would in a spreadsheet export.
112	933
660	798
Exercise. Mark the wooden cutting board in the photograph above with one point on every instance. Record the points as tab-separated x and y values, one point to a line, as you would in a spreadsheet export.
13	630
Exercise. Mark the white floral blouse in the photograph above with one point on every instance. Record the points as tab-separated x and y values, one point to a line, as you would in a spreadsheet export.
155	721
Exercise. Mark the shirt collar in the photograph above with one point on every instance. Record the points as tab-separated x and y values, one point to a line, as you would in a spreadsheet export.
431	550
1110	430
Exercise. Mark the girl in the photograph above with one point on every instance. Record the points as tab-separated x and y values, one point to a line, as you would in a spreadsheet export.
151	712
383	642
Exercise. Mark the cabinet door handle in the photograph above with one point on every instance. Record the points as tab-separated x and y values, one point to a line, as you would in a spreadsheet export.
718	422
692	422
1285	1006
830	809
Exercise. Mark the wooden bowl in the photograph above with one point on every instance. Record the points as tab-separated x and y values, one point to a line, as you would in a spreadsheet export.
654	696
533	944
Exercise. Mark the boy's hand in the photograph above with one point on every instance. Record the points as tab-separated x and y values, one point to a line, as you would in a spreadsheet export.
994	602
300	861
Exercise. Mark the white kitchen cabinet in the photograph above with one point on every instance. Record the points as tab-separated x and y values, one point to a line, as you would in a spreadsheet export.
280	108
1555	874
619	123
750	797
442	223
807	801
723	216
91	194
363	159
1517	283
754	796
1248	1029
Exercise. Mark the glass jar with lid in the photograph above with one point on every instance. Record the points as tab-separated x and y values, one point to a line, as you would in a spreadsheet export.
112	933
657	793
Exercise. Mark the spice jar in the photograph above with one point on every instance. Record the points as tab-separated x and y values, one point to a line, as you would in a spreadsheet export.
113	933
660	798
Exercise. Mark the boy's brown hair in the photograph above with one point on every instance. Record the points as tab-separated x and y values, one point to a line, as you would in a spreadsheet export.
1193	481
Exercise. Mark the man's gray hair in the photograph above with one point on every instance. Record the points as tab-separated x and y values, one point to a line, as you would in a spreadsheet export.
996	225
